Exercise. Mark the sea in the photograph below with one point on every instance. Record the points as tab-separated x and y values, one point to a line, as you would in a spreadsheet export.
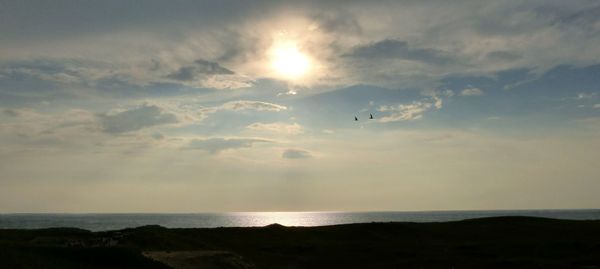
110	221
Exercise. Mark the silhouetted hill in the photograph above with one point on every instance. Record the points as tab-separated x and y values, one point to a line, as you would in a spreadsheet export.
500	242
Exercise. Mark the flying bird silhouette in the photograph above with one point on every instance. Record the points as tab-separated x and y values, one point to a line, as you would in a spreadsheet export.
370	116
355	118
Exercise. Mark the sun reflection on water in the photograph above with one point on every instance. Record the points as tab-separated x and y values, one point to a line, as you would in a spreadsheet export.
286	218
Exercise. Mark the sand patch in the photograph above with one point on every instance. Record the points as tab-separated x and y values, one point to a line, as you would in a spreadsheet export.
204	259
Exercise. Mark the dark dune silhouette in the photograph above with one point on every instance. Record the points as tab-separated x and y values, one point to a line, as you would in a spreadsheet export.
502	242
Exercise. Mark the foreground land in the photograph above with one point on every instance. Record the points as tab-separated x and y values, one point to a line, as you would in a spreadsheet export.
503	242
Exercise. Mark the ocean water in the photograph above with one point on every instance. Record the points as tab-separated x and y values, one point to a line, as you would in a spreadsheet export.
103	222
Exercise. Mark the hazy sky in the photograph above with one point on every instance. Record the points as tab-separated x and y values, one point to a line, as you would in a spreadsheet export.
207	106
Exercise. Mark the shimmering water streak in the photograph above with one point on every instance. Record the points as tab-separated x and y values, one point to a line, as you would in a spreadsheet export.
101	222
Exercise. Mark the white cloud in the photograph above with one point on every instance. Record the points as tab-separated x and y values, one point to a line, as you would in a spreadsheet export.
252	105
218	144
409	112
471	92
438	102
226	82
277	127
403	112
240	105
584	95
289	92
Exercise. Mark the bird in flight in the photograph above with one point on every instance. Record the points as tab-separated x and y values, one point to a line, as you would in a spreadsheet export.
370	116
355	118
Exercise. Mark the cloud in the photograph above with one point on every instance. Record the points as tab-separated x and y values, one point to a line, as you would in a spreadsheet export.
10	112
63	72
394	49
438	102
584	95
277	127
24	81
204	73
135	119
27	128
218	144
240	105
225	82
289	92
199	67
148	51
296	154
502	55
447	93
471	92
455	38
44	79
158	136
252	105
584	18
409	112
337	22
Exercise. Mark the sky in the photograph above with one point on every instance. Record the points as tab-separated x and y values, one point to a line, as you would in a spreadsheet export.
219	106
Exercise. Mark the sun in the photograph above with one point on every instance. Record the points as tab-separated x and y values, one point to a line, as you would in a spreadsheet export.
288	61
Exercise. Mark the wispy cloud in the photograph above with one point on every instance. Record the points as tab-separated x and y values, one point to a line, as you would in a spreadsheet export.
136	119
586	95
277	127
296	154
409	112
252	105
10	112
218	144
471	92
395	49
199	67
404	112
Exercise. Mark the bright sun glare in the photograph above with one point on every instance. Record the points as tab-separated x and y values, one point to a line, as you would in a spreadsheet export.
288	61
